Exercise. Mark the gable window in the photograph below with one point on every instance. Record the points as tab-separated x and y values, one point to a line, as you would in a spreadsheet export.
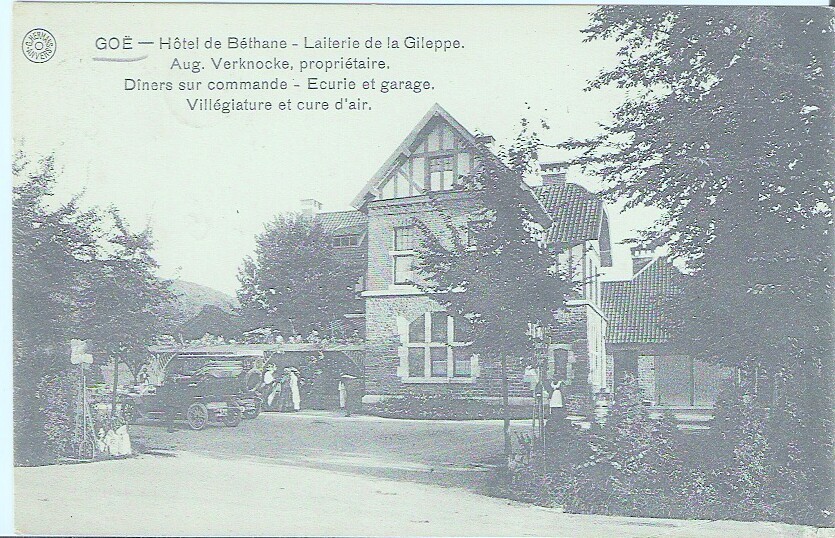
437	347
441	173
346	241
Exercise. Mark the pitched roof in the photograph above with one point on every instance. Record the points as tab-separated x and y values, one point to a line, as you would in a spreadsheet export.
343	222
437	111
634	307
577	214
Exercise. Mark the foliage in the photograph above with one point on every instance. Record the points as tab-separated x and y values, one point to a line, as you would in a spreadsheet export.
296	282
634	468
440	406
482	272
211	319
739	472
727	128
72	278
122	304
58	397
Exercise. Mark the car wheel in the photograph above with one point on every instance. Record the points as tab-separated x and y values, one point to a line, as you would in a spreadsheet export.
252	413
129	412
197	416
233	418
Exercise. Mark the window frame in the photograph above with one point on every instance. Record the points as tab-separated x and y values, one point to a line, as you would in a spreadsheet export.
345	241
409	280
450	345
399	253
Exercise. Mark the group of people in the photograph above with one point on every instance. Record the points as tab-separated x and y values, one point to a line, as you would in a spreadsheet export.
281	392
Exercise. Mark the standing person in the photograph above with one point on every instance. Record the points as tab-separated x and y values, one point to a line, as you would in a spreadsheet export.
555	402
348	393
268	386
294	389
342	392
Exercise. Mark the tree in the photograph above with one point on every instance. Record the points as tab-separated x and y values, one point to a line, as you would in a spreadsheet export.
50	249
70	280
296	281
124	299
498	274
727	128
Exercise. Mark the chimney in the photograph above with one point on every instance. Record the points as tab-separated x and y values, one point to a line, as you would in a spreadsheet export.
640	259
484	139
310	207
553	173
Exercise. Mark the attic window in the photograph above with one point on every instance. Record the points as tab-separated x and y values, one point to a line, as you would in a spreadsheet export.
441	173
346	241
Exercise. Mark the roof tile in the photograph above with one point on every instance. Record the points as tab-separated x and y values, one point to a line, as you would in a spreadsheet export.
633	307
576	212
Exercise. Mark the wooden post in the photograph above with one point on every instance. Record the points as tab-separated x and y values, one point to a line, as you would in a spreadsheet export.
505	411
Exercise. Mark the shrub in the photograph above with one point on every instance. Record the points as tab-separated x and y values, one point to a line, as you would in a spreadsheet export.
433	406
57	400
634	468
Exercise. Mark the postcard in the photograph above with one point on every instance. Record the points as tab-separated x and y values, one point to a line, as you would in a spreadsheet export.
422	270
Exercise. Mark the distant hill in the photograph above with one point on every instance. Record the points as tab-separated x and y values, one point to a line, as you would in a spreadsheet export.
192	298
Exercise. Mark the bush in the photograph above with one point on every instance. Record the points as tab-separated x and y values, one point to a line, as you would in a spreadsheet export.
750	465
57	400
634	468
634	464
433	406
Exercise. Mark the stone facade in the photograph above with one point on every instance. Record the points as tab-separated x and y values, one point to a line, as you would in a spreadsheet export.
390	307
407	335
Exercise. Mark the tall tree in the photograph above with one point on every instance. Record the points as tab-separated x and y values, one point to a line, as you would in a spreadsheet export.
296	281
50	249
71	279
727	128
497	272
124	298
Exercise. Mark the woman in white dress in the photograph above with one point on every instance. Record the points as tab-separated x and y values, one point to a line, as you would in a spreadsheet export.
294	389
555	402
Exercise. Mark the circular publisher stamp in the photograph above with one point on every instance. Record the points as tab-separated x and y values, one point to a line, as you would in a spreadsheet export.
39	45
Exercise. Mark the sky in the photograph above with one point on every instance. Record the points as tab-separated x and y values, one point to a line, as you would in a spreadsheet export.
207	182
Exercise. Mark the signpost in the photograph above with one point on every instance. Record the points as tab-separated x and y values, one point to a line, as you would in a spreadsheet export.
79	356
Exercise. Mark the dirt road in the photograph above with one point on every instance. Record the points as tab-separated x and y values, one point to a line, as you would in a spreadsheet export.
198	495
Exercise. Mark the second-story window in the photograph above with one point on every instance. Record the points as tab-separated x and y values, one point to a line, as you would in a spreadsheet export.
403	254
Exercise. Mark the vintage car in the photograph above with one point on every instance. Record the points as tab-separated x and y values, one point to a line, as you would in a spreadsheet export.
198	390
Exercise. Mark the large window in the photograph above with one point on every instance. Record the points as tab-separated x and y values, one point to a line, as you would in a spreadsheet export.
438	347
